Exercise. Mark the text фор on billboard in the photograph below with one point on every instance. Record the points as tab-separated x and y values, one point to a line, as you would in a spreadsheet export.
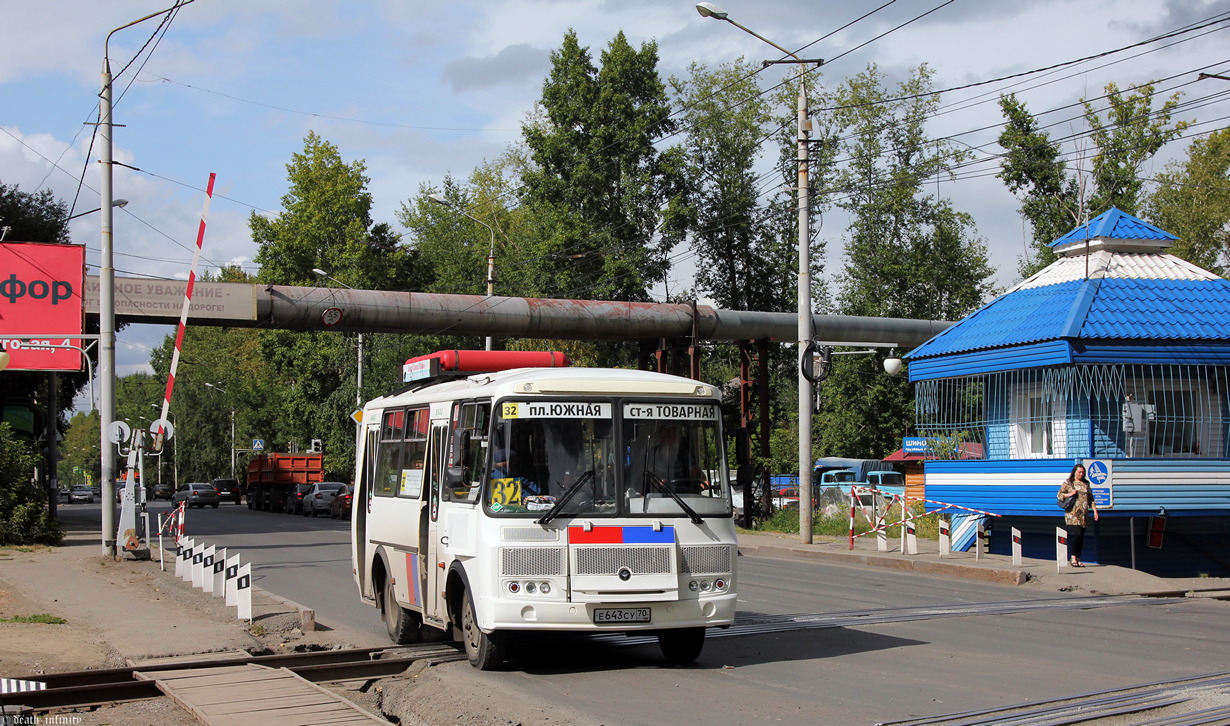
41	305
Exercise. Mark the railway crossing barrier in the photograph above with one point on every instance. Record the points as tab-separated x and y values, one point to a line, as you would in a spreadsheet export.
909	542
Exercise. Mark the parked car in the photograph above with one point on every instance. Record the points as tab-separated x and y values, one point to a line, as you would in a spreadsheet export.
340	507
163	491
319	497
81	493
294	500
229	490
197	494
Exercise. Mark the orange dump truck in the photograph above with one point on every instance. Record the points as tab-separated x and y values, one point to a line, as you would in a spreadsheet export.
272	478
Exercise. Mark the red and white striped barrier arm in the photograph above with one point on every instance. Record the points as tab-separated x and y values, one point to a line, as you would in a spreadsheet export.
183	313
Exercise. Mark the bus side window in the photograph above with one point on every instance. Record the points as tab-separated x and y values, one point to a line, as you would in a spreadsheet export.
389	459
414	454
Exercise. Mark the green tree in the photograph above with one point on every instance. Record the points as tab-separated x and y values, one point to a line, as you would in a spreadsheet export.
602	194
1053	200
1131	134
23	515
909	254
310	381
726	119
1192	201
1035	170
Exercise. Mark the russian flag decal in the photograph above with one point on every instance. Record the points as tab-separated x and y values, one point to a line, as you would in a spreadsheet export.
621	535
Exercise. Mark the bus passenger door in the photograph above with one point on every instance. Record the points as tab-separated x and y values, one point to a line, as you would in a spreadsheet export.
431	529
361	505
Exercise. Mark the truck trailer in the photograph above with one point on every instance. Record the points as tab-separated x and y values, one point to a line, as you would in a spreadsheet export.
272	477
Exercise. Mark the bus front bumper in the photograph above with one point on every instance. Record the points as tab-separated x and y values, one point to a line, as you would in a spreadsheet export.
527	614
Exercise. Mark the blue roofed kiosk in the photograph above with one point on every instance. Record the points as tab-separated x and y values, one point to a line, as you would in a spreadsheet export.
1117	352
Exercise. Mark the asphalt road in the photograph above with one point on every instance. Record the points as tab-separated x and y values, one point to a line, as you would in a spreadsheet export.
816	642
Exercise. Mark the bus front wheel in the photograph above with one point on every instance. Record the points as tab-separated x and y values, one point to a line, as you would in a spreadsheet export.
403	625
484	650
681	646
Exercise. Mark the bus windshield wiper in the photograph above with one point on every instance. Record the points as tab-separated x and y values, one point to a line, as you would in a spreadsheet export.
569	493
657	481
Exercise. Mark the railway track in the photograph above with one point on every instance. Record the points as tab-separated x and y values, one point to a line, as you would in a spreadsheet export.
85	689
1193	701
79	689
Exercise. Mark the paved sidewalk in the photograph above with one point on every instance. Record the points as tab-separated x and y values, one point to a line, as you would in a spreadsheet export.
1034	574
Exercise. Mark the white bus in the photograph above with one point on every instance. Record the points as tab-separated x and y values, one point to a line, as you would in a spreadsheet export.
495	494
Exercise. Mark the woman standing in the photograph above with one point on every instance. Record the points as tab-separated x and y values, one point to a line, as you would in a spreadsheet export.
1075	518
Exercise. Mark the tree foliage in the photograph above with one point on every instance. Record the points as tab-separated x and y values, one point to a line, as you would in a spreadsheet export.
1131	134
740	265
1035	170
23	514
1053	199
1192	202
603	196
909	254
311	377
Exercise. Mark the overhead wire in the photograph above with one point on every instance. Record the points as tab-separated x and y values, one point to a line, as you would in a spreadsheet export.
940	91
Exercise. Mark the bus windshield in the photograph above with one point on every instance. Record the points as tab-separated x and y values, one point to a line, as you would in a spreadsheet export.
563	457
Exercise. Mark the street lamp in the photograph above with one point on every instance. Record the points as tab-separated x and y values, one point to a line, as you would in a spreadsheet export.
121	203
106	291
709	10
217	387
438	199
358	386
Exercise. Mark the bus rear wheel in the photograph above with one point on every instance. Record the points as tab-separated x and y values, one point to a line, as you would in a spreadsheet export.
485	651
681	646
402	624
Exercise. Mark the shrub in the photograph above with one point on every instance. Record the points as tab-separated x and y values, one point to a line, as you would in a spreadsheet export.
23	516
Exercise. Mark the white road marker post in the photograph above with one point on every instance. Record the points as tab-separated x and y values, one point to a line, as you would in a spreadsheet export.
945	537
218	574
243	591
232	577
1061	549
1016	547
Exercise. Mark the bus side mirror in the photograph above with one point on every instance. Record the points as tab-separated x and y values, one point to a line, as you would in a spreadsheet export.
743	446
744	476
454	477
461	444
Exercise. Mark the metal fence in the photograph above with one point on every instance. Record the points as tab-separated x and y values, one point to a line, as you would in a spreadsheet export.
1113	411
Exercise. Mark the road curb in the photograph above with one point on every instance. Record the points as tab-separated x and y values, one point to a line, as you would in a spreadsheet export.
307	616
945	569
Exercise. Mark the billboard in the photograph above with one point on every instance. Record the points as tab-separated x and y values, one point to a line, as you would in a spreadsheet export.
41	287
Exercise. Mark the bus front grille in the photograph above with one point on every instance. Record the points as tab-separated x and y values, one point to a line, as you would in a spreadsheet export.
531	561
610	560
706	559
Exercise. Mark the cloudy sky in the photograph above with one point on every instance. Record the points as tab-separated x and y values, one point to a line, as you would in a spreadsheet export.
420	90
